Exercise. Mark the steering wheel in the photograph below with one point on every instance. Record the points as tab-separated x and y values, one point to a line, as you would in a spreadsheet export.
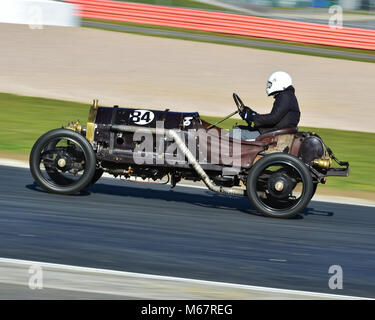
239	105
237	100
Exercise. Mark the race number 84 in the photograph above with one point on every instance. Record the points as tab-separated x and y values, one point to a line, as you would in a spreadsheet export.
141	117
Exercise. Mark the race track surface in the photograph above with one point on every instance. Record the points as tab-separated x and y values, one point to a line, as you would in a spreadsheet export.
186	232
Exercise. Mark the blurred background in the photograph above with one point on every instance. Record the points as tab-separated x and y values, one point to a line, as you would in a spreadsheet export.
57	56
346	4
305	10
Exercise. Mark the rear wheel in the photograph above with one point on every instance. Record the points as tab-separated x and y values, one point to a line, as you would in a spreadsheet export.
62	161
315	186
279	185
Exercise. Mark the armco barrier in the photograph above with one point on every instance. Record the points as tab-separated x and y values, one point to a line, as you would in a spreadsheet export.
219	22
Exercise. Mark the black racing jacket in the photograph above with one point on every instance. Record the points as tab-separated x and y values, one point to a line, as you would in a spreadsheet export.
284	114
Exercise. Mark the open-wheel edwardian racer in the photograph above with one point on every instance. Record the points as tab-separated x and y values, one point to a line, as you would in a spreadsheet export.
278	171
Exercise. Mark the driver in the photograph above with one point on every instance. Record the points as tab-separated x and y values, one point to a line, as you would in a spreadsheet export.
284	114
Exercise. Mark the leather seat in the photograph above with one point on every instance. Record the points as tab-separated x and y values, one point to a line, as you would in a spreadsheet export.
275	133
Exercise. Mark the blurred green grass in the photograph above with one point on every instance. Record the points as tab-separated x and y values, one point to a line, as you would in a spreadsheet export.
23	119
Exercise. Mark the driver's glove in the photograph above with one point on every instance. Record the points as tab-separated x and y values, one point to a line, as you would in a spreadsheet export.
247	114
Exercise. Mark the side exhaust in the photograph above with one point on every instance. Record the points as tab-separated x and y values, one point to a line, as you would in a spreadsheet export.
186	152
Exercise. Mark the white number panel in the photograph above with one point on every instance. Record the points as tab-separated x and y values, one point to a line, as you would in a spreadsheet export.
141	117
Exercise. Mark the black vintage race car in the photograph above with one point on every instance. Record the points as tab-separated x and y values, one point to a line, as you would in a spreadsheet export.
279	171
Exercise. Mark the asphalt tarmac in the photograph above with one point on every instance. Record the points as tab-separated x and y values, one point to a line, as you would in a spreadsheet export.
186	232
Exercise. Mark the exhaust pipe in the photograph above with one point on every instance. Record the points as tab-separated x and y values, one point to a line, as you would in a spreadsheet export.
170	133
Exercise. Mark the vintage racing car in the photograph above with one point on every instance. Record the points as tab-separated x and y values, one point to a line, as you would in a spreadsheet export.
279	171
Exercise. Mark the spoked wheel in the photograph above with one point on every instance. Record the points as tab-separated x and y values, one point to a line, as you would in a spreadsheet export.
62	161
279	185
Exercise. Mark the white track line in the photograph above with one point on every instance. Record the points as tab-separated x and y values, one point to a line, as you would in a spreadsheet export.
13	163
177	279
320	198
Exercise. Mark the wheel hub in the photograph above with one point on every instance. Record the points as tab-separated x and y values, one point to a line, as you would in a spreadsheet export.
63	162
280	185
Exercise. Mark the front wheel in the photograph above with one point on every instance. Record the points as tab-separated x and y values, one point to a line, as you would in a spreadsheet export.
62	161
279	185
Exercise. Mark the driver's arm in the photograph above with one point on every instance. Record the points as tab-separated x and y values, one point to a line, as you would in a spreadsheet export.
279	110
248	114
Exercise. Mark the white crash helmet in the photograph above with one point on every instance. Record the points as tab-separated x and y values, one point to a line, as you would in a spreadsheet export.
278	81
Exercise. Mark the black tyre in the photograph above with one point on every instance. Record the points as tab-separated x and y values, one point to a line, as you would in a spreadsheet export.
315	186
279	185
98	174
62	161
